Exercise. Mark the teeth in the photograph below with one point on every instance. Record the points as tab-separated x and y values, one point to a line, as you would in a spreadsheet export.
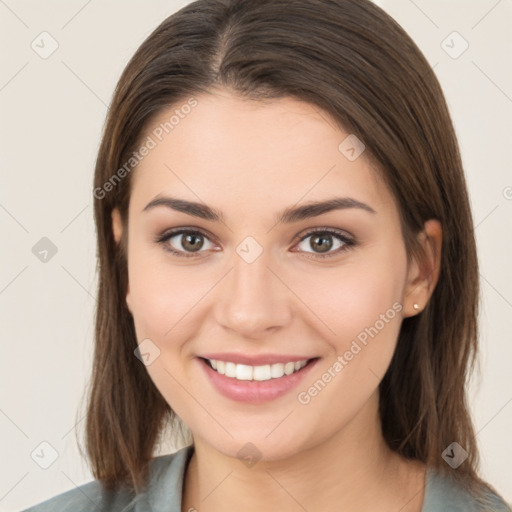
243	372
230	369
277	370
260	373
289	368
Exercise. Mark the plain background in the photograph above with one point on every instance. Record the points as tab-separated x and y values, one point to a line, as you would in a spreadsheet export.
52	113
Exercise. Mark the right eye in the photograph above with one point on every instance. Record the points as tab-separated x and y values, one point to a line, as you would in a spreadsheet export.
188	242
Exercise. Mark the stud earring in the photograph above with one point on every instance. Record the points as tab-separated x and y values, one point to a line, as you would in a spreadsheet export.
416	307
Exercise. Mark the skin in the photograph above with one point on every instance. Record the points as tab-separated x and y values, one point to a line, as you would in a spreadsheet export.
251	160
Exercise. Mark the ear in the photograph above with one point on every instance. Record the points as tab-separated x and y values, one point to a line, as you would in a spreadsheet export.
424	269
117	224
117	229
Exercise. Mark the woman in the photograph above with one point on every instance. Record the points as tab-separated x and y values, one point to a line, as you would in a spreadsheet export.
287	264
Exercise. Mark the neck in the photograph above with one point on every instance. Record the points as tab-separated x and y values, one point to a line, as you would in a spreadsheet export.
353	470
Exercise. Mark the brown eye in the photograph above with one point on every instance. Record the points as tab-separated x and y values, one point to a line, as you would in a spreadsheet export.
321	243
325	243
191	242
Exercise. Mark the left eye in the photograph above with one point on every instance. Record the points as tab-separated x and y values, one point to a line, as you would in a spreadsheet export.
323	242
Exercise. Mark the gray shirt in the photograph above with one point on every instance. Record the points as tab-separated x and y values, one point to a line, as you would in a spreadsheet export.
166	483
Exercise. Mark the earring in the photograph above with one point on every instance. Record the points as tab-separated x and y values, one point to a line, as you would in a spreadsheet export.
416	307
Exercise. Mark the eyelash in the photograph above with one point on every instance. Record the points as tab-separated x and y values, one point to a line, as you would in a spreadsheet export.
348	242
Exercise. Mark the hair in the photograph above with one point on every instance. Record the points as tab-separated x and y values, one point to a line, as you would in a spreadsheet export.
353	61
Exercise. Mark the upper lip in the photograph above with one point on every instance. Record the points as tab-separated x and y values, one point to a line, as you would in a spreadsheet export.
256	360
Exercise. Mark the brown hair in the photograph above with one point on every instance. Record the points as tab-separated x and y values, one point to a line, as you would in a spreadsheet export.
351	59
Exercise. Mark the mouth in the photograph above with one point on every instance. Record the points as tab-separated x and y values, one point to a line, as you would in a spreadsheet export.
255	384
260	373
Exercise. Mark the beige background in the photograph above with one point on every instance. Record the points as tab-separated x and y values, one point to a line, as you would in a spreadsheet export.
52	113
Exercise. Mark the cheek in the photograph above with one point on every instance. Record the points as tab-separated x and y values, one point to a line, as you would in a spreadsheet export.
360	305
162	299
364	311
351	297
161	296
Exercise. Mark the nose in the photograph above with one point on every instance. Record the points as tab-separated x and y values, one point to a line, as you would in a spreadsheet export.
253	301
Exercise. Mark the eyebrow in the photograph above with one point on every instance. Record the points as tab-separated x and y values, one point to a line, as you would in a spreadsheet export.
289	215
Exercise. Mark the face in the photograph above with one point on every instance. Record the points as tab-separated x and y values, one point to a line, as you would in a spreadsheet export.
251	293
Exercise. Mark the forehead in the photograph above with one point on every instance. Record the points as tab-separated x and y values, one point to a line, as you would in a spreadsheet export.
231	151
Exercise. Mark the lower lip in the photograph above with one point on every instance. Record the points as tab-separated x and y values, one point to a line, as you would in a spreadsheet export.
255	392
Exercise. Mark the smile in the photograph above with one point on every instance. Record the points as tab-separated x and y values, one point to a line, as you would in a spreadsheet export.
255	383
258	373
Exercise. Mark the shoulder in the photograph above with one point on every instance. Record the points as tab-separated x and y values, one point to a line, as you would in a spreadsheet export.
441	493
165	482
89	496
